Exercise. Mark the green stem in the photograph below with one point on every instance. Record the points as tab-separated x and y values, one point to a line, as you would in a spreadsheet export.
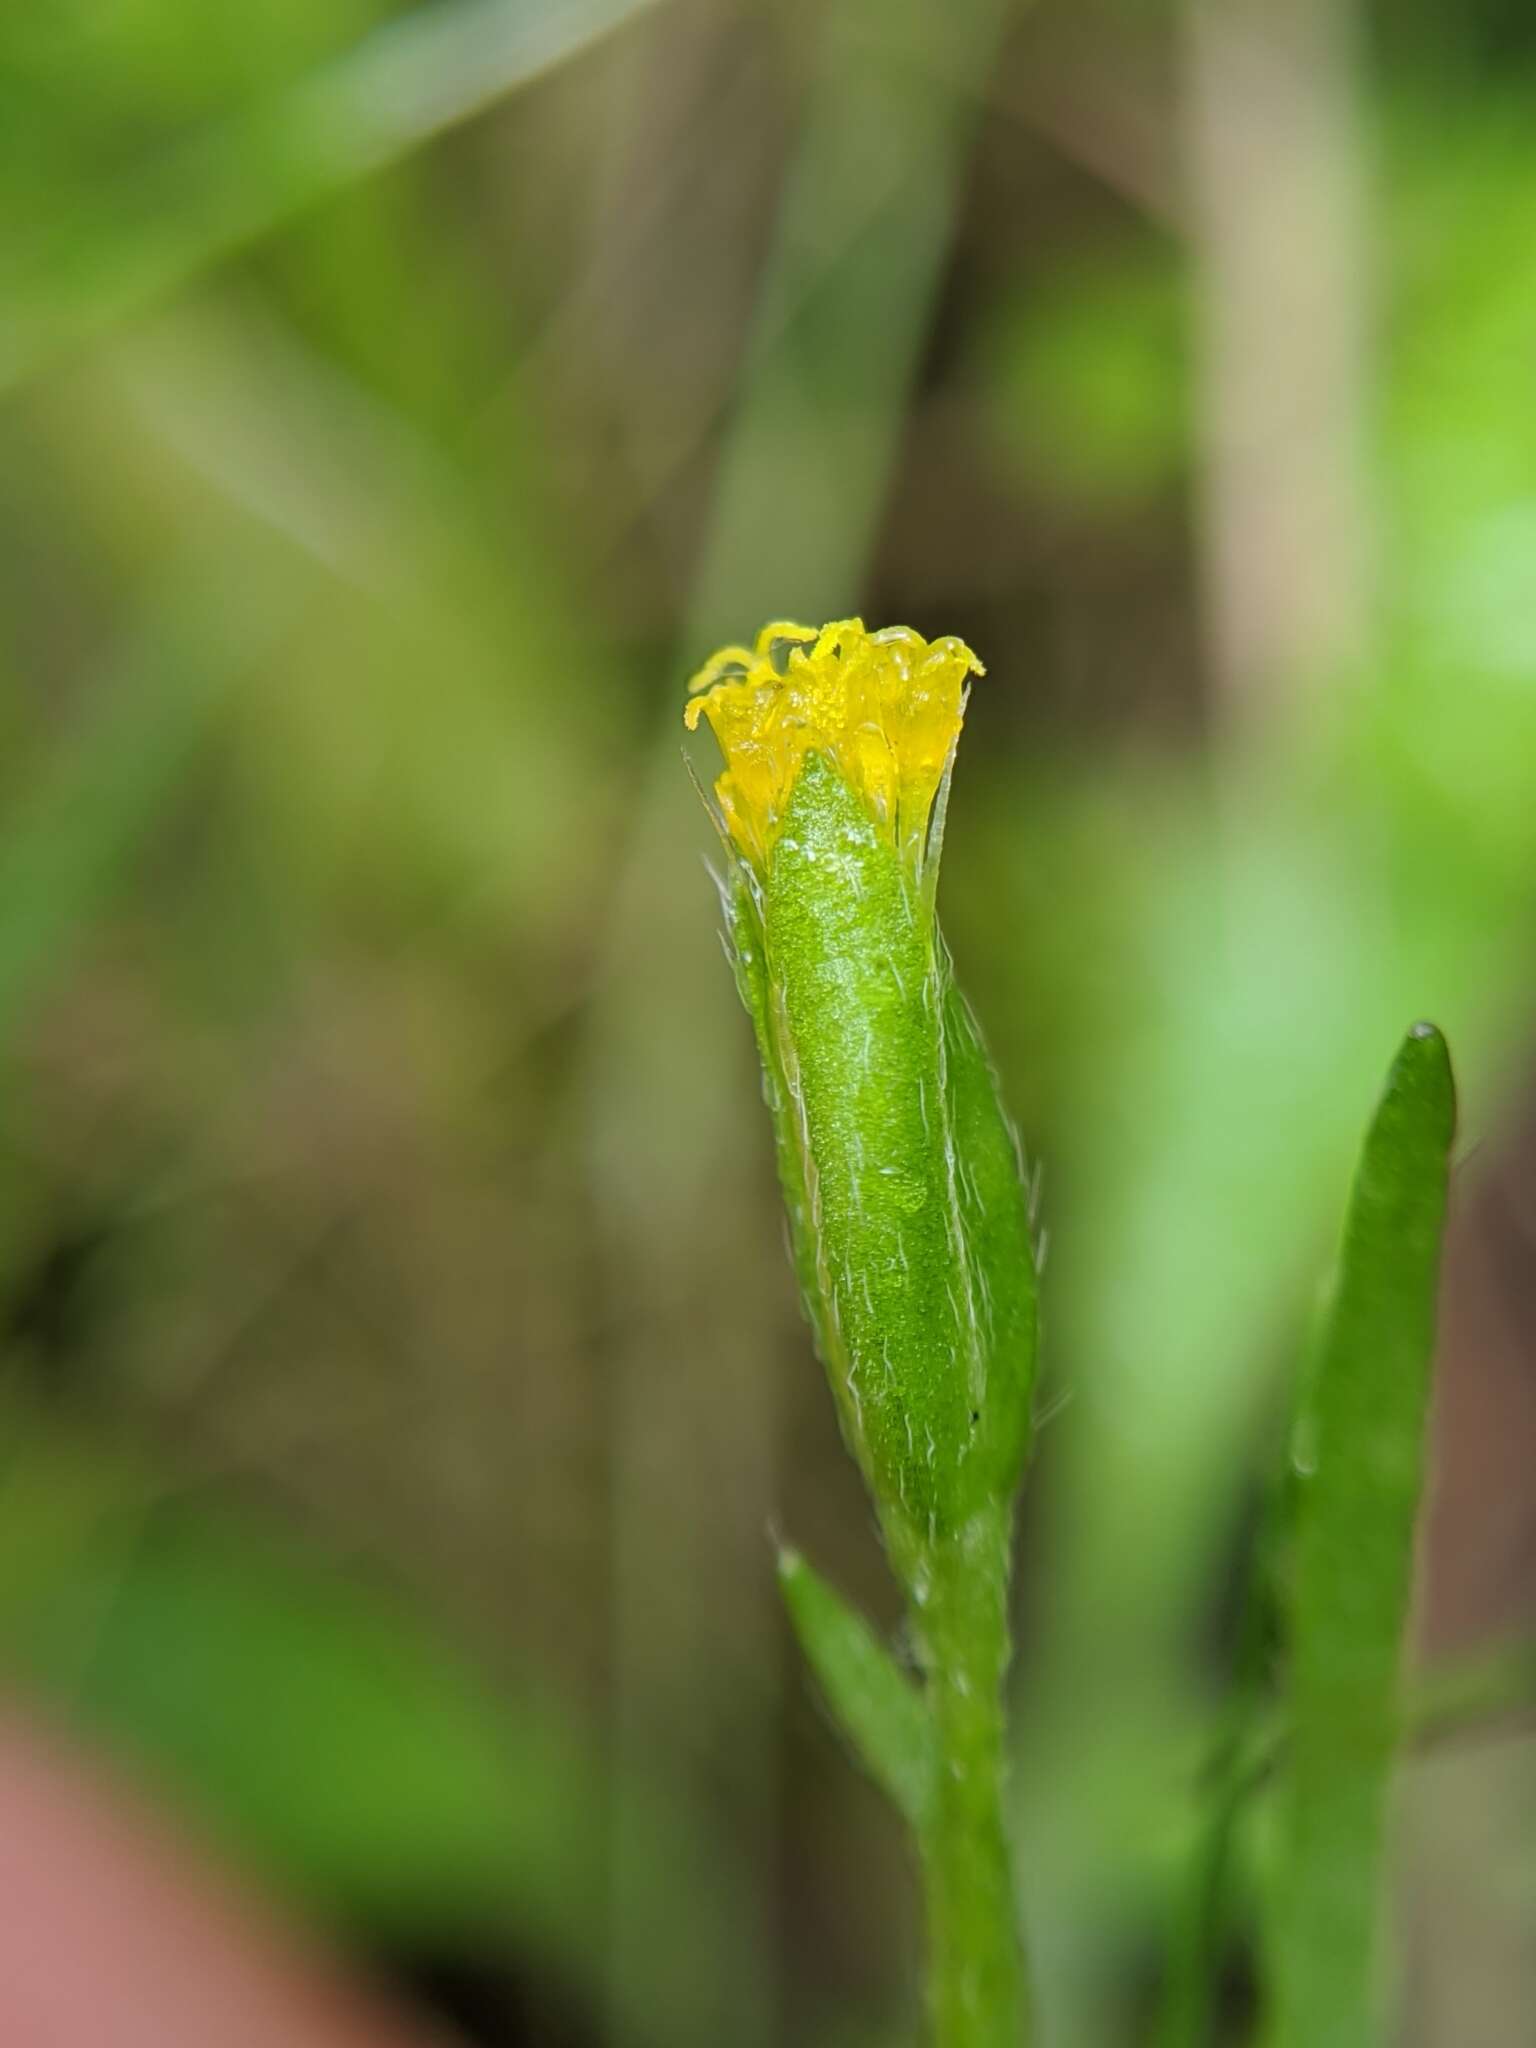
976	1984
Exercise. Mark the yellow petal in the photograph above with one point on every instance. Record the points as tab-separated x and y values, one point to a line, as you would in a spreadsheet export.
885	708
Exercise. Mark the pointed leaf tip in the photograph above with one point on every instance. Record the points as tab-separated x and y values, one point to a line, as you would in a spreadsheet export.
880	1710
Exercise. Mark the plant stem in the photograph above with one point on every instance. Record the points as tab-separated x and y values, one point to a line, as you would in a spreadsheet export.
976	1983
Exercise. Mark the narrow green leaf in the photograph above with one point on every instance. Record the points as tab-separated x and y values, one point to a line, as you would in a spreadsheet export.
881	1712
1360	1462
745	946
994	1224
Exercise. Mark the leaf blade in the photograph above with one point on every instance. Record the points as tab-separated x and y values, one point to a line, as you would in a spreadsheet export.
1363	1428
882	1713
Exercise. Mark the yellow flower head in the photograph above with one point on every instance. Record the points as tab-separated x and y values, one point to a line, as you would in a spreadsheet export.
885	708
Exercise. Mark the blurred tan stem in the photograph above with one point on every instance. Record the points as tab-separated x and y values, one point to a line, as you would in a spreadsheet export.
1277	188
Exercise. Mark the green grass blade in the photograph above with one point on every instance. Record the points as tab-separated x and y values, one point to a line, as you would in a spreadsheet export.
881	1712
1361	1459
115	254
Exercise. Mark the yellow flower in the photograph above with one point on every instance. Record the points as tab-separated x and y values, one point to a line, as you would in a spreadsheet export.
885	708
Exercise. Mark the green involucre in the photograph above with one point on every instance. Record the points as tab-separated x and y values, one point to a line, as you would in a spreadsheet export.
909	1218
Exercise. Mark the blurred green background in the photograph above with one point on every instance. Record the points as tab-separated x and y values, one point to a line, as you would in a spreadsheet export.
401	1372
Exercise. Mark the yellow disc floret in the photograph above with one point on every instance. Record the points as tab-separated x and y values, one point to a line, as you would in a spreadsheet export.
885	708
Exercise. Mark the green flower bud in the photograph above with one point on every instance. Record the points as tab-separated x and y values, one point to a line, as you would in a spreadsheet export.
909	1215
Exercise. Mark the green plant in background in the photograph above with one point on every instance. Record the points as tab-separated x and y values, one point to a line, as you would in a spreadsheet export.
909	1222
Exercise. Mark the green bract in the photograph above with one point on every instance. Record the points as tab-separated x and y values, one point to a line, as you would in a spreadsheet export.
909	1217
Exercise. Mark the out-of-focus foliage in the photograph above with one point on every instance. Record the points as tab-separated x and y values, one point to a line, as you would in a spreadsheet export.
398	402
1088	368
